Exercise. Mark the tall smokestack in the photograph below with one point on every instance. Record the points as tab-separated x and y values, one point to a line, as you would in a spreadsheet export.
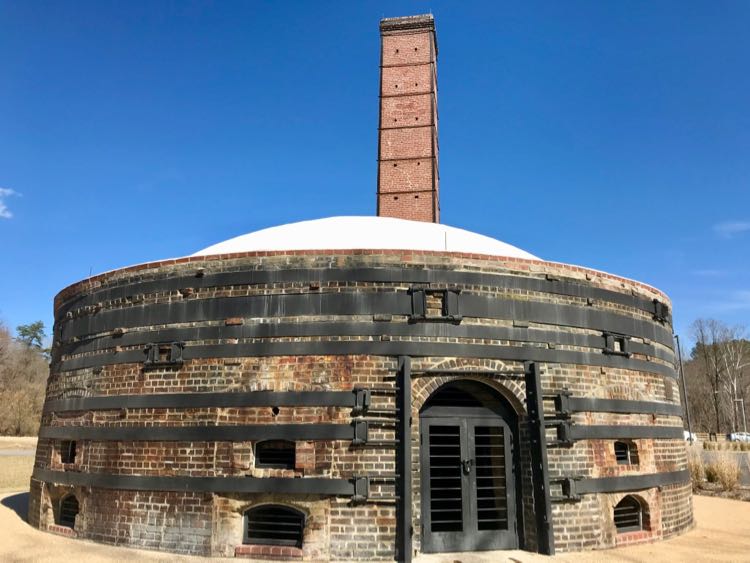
407	142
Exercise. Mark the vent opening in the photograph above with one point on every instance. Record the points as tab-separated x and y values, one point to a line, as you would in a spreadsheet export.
626	453
628	515
274	524
68	512
68	451
280	454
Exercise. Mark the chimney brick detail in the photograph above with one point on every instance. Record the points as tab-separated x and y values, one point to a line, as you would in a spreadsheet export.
408	178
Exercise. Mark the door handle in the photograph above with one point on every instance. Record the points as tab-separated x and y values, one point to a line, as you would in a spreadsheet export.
466	465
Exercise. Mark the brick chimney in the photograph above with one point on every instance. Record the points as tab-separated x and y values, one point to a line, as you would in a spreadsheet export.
407	137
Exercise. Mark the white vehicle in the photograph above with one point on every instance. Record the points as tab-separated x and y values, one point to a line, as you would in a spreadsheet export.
690	436
739	437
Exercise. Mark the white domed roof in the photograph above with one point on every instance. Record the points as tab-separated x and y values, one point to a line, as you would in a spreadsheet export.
381	233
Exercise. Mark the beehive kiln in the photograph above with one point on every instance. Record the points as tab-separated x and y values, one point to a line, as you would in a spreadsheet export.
364	387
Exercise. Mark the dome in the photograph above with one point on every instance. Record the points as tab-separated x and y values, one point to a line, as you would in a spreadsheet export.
382	233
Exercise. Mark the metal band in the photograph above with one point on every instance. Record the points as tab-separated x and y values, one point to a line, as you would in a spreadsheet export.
607	432
387	348
357	431
631	483
404	461
585	404
288	485
357	398
365	275
538	453
326	304
343	328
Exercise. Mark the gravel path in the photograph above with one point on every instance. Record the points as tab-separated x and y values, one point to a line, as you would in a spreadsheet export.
721	535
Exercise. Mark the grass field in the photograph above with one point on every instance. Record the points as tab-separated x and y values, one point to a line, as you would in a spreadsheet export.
15	472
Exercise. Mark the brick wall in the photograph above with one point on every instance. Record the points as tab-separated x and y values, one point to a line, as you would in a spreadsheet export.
335	529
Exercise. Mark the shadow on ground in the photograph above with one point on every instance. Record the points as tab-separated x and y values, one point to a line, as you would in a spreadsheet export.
18	503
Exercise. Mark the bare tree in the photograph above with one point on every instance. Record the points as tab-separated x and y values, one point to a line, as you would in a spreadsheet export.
735	354
706	333
717	374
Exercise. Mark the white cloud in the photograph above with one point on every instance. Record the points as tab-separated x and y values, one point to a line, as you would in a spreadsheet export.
4	211
709	273
736	301
729	229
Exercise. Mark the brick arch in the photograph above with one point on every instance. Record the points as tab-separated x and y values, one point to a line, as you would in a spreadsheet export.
281	501
642	501
511	390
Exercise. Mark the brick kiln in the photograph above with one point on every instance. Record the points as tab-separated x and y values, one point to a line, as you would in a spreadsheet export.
364	387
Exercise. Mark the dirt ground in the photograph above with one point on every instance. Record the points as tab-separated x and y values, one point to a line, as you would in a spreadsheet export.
16	462
18	443
721	535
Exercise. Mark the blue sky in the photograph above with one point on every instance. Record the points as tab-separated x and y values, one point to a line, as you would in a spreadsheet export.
610	135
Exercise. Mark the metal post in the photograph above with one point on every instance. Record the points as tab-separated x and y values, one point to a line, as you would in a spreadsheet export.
403	461
684	390
539	468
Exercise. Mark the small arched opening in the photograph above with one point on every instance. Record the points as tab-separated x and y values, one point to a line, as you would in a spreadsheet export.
68	511
277	454
626	452
274	524
630	515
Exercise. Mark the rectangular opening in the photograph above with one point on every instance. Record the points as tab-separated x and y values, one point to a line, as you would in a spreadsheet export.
68	451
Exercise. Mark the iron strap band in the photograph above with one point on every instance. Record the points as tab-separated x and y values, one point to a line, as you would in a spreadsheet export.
610	432
343	328
384	348
358	398
326	304
356	431
586	404
310	398
357	486
365	275
631	482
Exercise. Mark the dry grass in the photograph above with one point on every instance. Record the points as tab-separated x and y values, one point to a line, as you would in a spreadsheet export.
733	446
695	465
15	472
724	469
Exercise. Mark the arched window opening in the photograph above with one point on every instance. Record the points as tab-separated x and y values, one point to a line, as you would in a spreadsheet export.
273	524
68	511
279	454
628	515
626	453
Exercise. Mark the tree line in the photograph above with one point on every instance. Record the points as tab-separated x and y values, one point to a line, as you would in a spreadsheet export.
24	366
717	376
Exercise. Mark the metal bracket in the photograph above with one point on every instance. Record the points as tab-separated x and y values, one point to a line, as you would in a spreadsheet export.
564	434
661	311
361	400
616	344
164	354
361	489
450	310
563	408
361	430
569	491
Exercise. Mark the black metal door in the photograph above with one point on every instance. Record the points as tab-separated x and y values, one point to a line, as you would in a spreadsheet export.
468	493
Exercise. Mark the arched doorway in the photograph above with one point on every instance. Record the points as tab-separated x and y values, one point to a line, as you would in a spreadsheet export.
467	479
